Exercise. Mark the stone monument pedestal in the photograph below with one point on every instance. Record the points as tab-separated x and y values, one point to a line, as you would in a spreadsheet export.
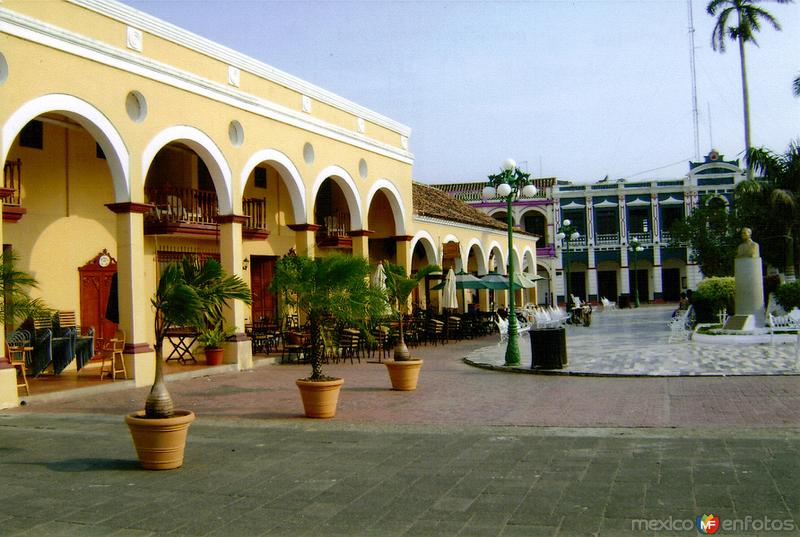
749	288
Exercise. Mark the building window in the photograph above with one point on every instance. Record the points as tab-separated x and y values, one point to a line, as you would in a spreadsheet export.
260	178
606	221
32	135
670	215
535	223
638	220
577	220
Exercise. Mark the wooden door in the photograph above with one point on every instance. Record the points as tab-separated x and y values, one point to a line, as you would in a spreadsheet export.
95	287
265	304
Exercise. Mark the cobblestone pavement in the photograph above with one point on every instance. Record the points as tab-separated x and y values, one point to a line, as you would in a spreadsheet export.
636	342
470	452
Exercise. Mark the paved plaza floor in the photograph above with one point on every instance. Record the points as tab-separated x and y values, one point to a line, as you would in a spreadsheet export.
471	452
637	342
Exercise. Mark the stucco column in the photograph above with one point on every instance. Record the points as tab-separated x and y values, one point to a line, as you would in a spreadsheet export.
305	238
361	242
483	298
8	374
238	349
403	252
133	298
624	284
658	286
592	270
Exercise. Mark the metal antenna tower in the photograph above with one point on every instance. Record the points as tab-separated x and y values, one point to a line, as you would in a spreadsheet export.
695	114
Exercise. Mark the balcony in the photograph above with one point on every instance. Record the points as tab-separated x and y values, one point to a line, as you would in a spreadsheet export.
12	191
332	232
546	251
603	239
187	211
641	238
256	226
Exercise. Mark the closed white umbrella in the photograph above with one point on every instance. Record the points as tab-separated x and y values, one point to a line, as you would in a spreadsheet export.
378	280
449	298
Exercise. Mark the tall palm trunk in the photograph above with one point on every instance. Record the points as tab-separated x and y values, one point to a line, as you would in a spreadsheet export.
159	401
745	105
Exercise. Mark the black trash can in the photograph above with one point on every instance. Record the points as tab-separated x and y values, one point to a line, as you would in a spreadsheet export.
548	348
624	301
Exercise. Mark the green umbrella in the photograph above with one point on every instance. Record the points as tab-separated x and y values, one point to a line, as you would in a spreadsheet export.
464	280
499	282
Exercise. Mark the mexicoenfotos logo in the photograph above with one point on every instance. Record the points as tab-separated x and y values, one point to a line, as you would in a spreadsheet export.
707	523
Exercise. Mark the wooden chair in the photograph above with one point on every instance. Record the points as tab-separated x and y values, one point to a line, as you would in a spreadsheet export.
66	319
350	344
293	345
112	352
17	356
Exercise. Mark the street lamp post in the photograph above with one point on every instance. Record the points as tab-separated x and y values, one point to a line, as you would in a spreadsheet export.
567	233
635	249
510	185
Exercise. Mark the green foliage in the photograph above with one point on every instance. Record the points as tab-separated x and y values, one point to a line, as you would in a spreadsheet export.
335	287
713	295
189	293
711	234
213	337
17	305
788	295
399	286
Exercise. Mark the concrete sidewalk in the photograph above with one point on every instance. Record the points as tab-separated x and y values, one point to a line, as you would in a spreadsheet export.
76	475
471	452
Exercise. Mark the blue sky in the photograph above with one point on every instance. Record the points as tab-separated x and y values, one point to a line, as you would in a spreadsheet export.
577	89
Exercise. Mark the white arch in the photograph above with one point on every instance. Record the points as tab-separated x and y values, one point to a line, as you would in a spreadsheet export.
460	259
91	119
517	260
428	244
527	254
528	258
395	201
206	149
349	188
482	263
500	264
290	175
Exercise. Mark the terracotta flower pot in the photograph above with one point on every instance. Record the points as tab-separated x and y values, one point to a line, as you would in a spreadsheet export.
404	374
320	397
160	442
214	355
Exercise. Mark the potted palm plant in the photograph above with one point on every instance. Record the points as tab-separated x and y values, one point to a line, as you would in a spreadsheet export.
188	292
403	371
333	288
211	339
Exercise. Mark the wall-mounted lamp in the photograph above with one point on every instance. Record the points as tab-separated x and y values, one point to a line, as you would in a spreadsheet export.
245	263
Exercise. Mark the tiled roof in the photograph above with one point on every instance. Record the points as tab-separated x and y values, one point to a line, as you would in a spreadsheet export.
473	191
435	203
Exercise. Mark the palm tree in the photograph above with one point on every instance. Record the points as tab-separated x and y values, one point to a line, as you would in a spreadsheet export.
398	289
749	18
780	185
189	294
333	288
15	304
796	86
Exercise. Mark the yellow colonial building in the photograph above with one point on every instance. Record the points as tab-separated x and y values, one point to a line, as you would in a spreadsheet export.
129	142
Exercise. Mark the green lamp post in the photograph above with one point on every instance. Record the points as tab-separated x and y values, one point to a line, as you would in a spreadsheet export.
567	233
635	248
510	185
